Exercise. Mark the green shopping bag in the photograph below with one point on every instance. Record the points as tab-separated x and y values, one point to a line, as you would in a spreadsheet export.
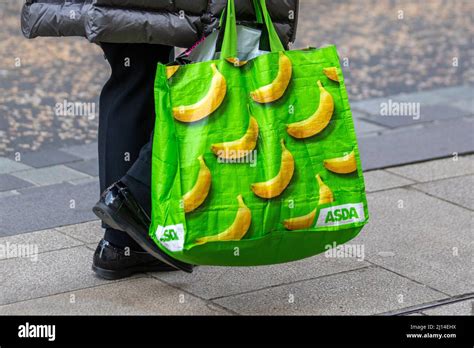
254	162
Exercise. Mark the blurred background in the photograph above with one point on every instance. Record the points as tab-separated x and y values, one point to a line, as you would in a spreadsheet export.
390	47
419	175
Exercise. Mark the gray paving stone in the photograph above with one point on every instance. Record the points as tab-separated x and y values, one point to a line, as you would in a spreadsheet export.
40	208
464	104
458	308
90	167
9	166
84	181
442	96
120	298
85	151
370	106
427	240
377	180
9	182
40	241
427	113
47	158
54	272
362	126
50	175
457	190
87	232
6	194
437	169
456	92
414	144
211	282
360	292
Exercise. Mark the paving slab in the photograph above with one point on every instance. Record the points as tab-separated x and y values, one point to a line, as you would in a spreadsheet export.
436	169
362	126
364	291
90	167
84	151
47	158
427	113
87	232
40	208
422	238
6	194
441	96
143	296
464	104
458	308
54	272
377	180
211	282
40	241
9	182
9	166
458	190
417	143
50	175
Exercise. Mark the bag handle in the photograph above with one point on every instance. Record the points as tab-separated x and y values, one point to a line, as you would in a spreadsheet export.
229	45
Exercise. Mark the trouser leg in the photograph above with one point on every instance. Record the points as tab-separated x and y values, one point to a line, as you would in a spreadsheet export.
126	113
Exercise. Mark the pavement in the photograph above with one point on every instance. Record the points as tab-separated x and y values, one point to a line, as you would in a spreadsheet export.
413	112
415	259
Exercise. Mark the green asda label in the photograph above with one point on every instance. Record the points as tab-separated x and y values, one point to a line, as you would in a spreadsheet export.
341	215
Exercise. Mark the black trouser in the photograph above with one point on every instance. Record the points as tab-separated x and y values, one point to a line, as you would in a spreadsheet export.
126	120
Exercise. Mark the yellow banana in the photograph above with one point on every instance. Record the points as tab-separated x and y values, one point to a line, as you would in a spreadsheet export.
208	104
318	121
200	190
298	223
171	70
331	73
342	165
236	61
241	147
274	187
325	193
277	88
237	230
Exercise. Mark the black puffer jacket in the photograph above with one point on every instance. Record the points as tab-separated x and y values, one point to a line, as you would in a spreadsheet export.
171	22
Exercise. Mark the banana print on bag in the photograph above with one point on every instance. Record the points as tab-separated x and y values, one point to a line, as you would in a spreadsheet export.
241	147
331	73
208	104
325	193
316	122
171	70
300	222
197	195
237	230
274	187
342	165
277	87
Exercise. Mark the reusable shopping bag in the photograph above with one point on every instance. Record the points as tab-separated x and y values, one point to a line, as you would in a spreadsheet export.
254	161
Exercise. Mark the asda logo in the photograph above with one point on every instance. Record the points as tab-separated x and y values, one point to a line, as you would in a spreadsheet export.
341	215
171	236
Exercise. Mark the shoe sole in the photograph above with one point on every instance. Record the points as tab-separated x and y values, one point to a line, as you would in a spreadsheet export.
109	217
127	272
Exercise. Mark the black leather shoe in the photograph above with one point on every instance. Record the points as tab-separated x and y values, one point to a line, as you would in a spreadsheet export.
118	208
112	263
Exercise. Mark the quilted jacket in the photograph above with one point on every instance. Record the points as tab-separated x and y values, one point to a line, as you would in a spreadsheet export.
170	22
